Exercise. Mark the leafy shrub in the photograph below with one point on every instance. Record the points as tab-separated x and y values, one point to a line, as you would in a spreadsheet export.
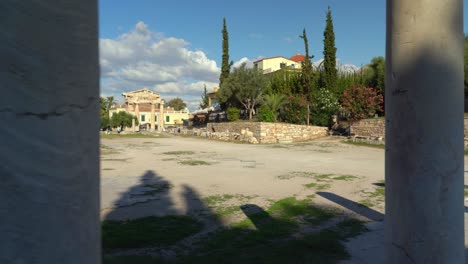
122	118
295	110
324	105
274	102
361	102
266	114
233	113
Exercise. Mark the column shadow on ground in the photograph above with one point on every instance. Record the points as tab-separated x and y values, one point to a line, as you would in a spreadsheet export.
353	206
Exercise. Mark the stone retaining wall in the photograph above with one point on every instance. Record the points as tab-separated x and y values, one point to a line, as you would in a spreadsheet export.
269	132
372	128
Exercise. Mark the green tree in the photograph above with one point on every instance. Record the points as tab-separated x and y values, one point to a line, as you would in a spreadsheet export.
329	53
376	74
106	104
307	75
225	64
122	119
246	85
274	102
177	103
205	102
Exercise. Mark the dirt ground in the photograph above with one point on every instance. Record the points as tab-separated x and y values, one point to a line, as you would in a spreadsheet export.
178	176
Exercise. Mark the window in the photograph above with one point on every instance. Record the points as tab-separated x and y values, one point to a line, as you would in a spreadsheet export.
142	118
167	119
293	66
282	65
155	117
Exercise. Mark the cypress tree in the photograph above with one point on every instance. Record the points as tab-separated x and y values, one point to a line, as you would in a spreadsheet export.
307	74
225	64
329	53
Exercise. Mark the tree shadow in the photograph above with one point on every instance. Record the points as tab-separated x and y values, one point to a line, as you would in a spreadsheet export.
353	206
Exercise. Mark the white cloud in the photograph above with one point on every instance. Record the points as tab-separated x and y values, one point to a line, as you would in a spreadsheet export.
247	61
144	58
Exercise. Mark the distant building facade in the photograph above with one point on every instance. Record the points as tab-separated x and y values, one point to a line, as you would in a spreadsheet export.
272	64
142	104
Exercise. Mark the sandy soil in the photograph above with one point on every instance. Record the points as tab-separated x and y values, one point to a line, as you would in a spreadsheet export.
139	178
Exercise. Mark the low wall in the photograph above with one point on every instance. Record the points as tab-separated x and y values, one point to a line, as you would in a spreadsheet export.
372	127
267	133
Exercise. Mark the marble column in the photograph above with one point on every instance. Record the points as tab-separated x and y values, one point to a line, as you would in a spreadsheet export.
424	132
137	115
49	140
152	117
161	116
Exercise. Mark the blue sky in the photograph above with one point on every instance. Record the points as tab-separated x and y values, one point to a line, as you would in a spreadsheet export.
172	45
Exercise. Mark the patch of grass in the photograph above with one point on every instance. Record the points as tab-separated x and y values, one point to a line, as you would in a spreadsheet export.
170	159
367	203
345	178
106	150
373	198
194	162
364	144
222	204
267	237
179	152
147	231
317	186
466	151
465	191
108	169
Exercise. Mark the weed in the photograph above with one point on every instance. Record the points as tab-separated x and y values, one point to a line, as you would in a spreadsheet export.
179	152
194	162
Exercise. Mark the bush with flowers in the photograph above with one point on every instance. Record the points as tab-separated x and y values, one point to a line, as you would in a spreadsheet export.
324	105
295	110
361	102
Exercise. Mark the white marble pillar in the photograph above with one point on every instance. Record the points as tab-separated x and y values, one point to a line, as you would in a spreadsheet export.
137	115
161	117
152	117
49	140
424	132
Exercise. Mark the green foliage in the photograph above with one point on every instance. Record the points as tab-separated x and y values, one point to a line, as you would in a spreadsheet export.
225	64
307	74
361	102
284	82
329	54
233	113
106	104
246	85
147	231
177	103
205	99
122	119
376	74
105	121
295	110
266	114
274	102
325	105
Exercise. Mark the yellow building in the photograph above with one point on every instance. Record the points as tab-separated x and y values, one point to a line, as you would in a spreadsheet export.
142	104
272	64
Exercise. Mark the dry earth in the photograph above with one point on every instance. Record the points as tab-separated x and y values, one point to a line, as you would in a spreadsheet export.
162	176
